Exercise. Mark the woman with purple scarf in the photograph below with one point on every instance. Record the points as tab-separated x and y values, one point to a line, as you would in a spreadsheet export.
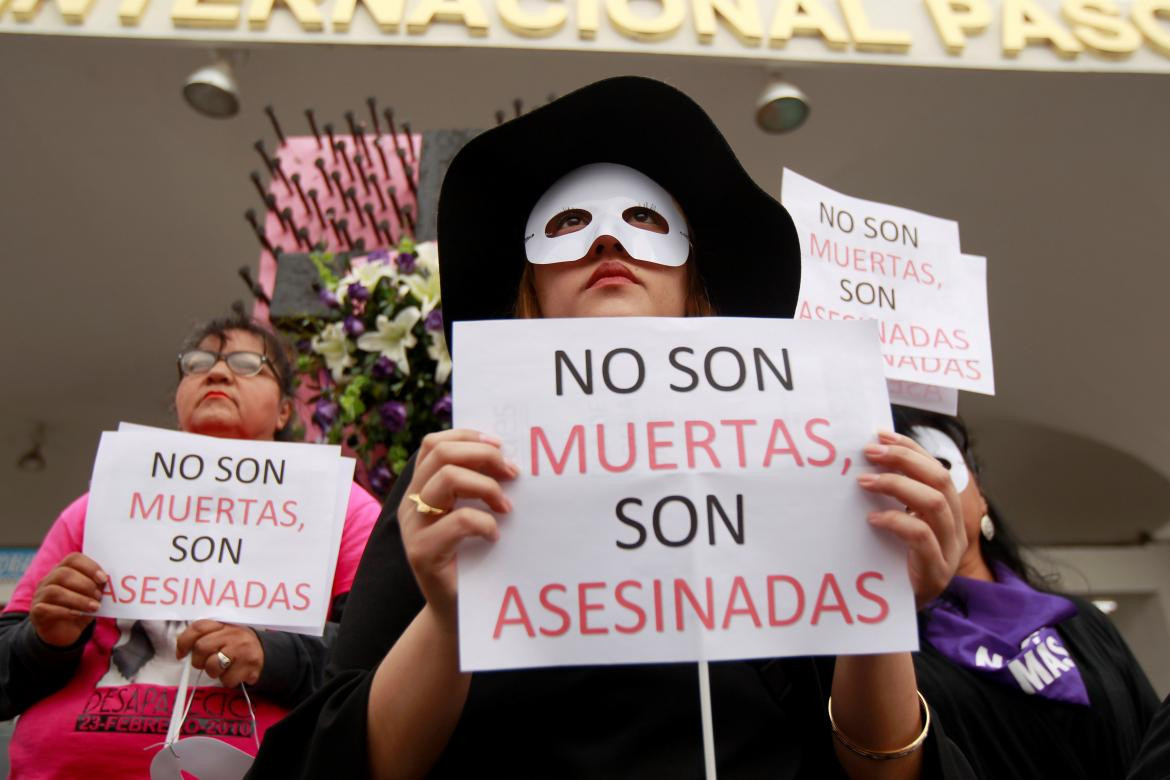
1032	684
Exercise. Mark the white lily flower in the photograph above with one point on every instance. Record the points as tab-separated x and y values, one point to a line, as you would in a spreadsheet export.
428	256
424	282
334	346
366	274
393	337
437	351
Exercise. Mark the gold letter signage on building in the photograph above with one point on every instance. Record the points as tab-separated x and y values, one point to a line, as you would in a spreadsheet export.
1079	35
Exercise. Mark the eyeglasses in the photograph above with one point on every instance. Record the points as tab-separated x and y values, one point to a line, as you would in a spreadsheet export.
200	361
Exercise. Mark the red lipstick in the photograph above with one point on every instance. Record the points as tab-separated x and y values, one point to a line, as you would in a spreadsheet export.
611	272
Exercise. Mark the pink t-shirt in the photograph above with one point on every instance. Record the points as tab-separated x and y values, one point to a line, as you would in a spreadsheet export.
118	704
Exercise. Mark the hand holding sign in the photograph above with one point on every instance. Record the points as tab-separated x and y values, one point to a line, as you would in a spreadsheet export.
931	524
205	640
66	599
451	466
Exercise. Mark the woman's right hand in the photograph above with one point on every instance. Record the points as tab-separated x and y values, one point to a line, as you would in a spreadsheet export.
451	465
66	598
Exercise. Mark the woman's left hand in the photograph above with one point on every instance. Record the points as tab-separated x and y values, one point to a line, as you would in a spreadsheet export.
205	639
931	524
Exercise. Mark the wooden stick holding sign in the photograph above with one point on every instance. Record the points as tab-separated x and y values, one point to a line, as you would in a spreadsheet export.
705	714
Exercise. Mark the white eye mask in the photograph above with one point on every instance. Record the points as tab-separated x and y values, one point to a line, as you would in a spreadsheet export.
941	446
610	199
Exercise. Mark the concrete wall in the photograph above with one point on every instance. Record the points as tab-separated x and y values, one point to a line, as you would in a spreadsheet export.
1138	578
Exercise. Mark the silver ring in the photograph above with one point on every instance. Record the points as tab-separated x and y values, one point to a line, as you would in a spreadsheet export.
224	661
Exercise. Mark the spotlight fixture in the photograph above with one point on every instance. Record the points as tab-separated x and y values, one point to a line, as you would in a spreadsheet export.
34	458
781	107
212	90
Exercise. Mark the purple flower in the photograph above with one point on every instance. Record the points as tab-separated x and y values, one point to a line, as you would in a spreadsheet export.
442	407
328	298
354	327
325	413
434	320
357	292
393	414
379	256
405	262
384	368
303	346
381	479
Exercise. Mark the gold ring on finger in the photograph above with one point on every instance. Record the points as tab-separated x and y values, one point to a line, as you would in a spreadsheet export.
425	508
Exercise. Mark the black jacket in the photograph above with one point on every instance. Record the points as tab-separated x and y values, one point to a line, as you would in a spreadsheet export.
1153	760
1006	733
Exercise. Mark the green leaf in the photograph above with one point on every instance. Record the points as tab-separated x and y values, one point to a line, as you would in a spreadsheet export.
323	261
351	407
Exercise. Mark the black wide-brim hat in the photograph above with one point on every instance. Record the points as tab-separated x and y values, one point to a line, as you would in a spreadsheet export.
744	241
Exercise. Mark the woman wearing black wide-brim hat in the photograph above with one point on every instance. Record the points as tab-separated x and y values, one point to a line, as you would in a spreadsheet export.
621	198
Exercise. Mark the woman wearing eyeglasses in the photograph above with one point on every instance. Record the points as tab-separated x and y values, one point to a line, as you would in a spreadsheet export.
94	695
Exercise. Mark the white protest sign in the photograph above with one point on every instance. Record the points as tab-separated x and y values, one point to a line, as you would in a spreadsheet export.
345	468
129	427
941	400
687	491
194	527
867	260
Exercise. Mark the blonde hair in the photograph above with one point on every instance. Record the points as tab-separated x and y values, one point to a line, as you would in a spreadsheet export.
698	304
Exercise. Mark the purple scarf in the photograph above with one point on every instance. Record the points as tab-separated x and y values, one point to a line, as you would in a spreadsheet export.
1006	634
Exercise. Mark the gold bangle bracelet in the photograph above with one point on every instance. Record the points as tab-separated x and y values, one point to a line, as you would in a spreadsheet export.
883	755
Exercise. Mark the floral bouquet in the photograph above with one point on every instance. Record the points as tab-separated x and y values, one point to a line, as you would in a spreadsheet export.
375	368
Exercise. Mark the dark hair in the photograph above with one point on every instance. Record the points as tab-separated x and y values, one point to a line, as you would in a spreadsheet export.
1004	547
274	350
